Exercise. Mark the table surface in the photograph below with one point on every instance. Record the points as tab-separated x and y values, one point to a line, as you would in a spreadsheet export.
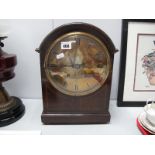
123	122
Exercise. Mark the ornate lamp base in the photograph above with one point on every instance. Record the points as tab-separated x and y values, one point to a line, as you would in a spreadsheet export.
12	114
11	108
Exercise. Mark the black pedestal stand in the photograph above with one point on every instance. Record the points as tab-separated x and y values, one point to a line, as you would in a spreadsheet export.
13	114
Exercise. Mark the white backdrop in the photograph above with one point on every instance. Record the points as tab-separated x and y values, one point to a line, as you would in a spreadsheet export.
26	35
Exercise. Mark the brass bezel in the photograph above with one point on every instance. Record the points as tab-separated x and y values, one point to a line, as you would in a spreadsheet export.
66	92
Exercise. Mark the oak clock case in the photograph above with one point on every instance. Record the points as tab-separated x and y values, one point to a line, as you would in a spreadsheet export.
76	69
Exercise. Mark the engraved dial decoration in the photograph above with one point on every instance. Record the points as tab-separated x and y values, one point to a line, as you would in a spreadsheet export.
77	64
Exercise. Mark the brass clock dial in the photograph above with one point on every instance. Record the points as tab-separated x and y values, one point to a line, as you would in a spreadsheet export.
77	64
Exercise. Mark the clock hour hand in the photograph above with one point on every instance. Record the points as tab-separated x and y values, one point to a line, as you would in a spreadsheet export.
57	66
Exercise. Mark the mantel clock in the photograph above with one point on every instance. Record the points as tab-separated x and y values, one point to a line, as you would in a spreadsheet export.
76	69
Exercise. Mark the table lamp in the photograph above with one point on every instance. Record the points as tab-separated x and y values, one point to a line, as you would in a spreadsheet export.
11	108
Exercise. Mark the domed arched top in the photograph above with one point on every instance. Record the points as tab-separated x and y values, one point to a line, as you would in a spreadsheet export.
77	27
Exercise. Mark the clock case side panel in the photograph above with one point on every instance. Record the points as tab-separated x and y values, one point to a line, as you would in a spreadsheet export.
62	109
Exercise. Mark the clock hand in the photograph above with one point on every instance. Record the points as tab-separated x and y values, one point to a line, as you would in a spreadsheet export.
70	59
75	72
54	66
75	56
50	66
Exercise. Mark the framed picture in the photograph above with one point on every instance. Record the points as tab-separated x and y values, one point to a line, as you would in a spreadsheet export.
137	62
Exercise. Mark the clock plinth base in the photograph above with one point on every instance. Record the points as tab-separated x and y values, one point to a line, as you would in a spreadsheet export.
12	114
48	119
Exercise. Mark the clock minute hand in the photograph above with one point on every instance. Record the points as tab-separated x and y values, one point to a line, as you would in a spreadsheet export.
75	54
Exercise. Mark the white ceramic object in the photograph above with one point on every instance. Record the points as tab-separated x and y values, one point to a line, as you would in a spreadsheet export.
150	112
145	123
150	131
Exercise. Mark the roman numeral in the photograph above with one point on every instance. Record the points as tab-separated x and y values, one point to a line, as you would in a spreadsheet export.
51	65
77	41
76	87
